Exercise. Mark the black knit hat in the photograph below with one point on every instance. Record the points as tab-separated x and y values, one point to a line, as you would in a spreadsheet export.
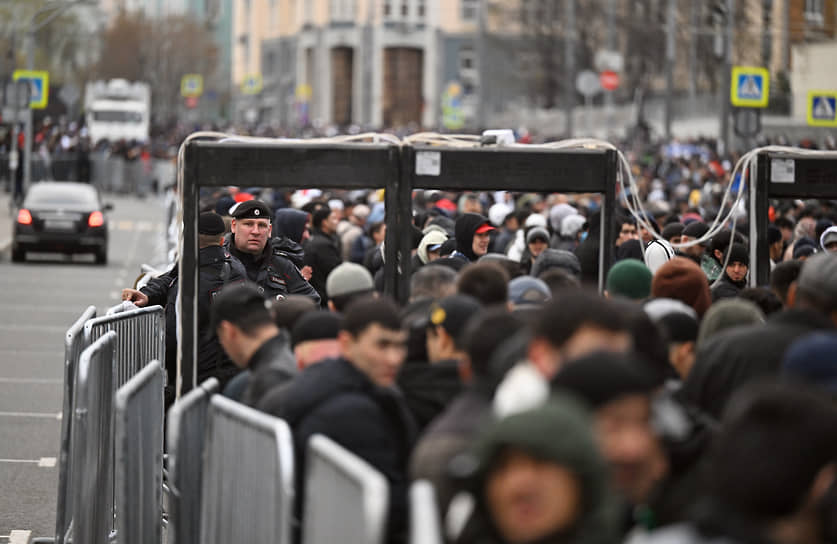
738	254
695	230
319	325
211	223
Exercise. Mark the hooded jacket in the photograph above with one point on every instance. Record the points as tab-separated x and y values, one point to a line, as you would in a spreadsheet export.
322	254
337	400
466	227
559	432
431	238
290	223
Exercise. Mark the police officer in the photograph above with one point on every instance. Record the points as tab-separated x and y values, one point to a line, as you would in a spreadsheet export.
266	260
216	269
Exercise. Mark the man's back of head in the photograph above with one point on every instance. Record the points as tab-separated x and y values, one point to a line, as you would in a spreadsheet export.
242	320
314	337
432	281
486	282
347	282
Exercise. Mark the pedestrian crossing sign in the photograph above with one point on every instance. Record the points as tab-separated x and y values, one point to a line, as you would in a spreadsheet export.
822	108
749	87
191	85
252	84
38	86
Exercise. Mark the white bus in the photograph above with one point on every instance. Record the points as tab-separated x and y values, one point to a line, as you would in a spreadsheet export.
118	110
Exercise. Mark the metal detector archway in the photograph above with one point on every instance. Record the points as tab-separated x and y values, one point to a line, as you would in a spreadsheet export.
277	164
518	168
785	174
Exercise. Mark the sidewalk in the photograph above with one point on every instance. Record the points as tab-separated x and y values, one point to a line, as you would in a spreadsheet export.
6	220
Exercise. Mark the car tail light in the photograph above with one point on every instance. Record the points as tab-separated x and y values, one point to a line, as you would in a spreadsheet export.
96	219
24	217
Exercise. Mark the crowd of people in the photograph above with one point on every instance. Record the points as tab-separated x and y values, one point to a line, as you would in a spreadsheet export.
679	405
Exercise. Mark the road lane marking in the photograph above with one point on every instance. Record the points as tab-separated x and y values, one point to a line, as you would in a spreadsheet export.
43	462
144	226
19	537
125	225
36	415
33	381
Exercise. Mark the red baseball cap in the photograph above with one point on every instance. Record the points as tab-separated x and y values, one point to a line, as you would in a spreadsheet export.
485	227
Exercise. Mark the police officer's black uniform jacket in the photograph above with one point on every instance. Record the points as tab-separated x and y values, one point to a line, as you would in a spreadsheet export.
216	269
276	270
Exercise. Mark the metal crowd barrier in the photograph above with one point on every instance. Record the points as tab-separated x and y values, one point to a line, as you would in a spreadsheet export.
73	346
139	457
123	306
185	437
92	442
425	527
248	476
346	500
141	338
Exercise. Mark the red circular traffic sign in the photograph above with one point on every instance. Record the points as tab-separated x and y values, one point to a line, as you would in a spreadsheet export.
609	80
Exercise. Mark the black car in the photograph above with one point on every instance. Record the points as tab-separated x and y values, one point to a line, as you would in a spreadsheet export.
61	217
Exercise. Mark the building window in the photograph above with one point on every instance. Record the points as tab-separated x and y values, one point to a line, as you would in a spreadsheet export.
405	8
470	9
421	9
342	10
387	9
814	11
467	63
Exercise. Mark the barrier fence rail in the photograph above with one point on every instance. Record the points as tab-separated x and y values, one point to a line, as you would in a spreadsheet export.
73	347
346	500
92	443
248	476
186	435
141	337
425	527
139	457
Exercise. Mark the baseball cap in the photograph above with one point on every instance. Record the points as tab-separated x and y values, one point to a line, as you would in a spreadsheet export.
318	325
349	279
452	314
526	290
695	230
485	227
251	209
211	223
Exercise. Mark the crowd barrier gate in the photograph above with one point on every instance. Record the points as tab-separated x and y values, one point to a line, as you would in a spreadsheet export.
248	476
186	435
139	457
73	346
92	443
425	527
346	500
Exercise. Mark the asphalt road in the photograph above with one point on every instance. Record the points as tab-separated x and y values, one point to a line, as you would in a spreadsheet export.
39	300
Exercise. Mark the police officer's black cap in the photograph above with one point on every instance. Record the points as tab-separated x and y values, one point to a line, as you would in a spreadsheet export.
211	223
252	209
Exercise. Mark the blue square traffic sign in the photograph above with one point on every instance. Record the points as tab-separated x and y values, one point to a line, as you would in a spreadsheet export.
750	87
822	108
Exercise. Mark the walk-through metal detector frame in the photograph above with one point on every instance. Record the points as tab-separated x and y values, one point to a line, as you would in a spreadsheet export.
277	164
784	175
515	168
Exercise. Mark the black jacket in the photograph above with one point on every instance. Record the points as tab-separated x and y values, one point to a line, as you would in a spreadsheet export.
465	228
429	388
216	269
276	270
322	254
335	399
737	356
726	288
273	364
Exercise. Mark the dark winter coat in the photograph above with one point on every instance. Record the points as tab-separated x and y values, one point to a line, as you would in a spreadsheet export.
447	436
290	223
429	388
216	268
726	288
322	254
742	354
273	364
335	399
276	269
